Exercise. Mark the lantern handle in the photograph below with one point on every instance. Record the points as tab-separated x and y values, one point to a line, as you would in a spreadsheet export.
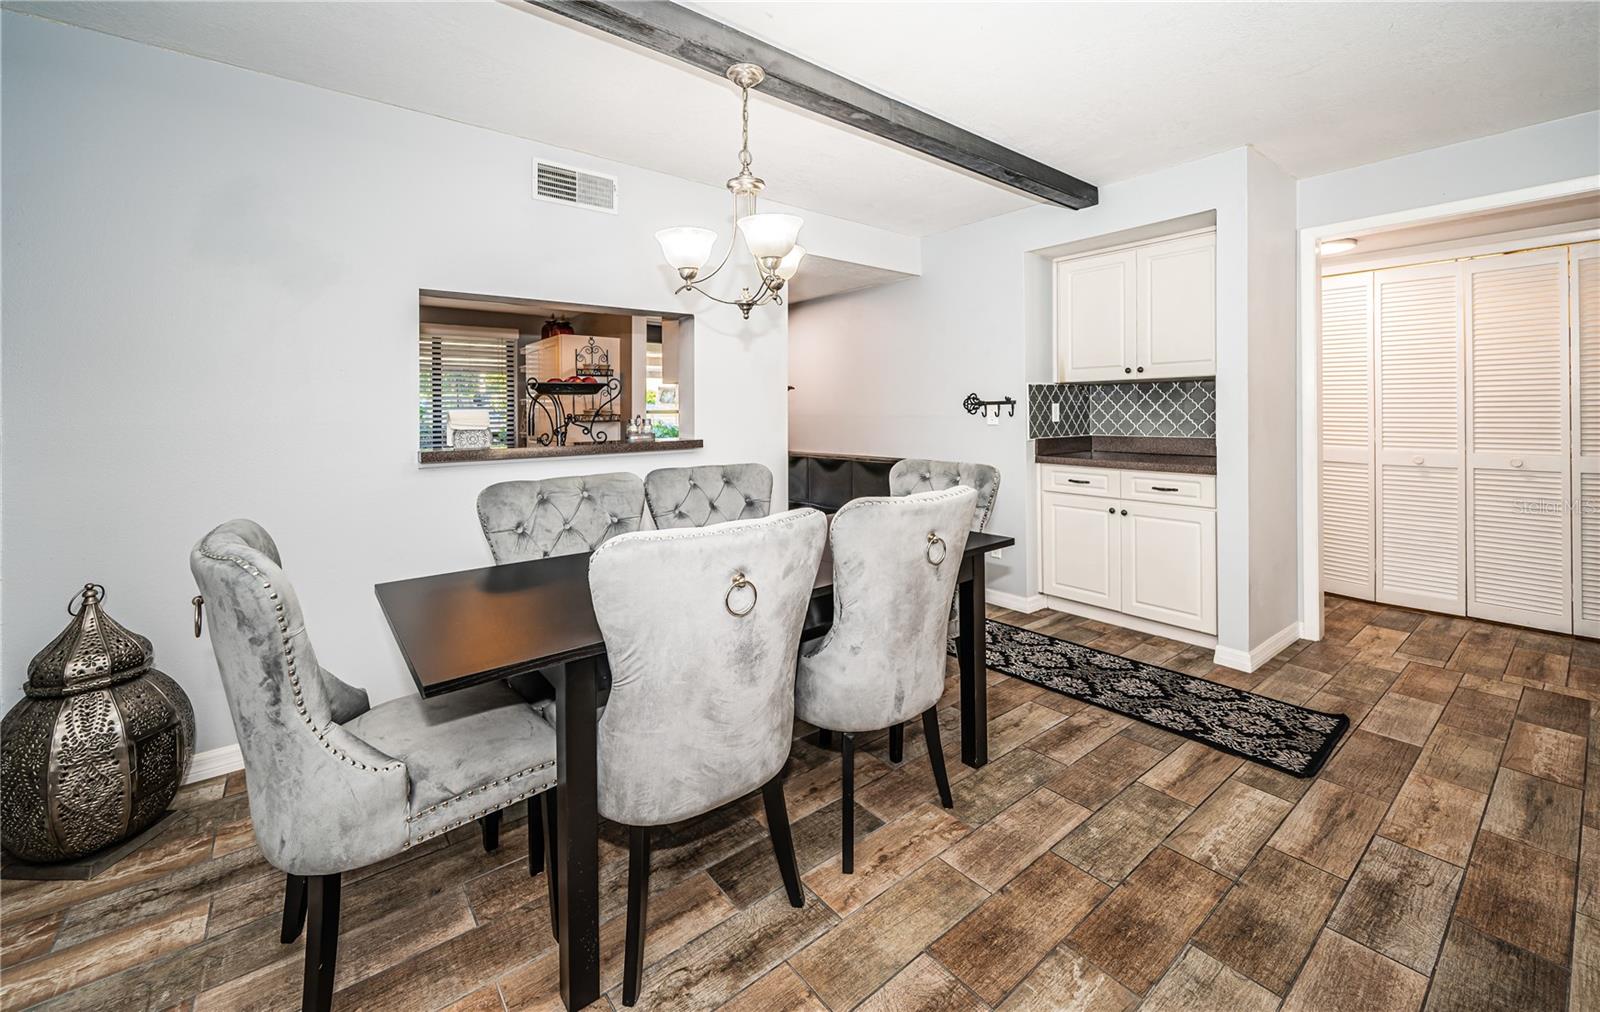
91	592
199	609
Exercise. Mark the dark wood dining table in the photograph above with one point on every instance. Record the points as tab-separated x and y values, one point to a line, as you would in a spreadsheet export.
461	629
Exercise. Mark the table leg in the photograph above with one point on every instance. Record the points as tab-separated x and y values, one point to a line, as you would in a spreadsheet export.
577	847
974	673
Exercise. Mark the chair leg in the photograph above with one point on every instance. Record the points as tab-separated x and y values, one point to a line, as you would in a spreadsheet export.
847	755
552	880
490	825
782	838
824	738
930	732
897	743
638	898
535	836
294	908
322	943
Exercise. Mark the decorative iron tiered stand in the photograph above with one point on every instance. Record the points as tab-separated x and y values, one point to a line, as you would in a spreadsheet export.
598	384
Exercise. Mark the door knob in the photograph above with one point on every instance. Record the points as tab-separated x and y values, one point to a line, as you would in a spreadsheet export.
1417	459
1516	461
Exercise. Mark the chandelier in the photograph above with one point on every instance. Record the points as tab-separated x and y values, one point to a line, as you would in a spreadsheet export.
770	238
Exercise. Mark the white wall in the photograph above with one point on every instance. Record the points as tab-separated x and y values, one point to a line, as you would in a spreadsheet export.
1274	598
210	311
1544	153
884	371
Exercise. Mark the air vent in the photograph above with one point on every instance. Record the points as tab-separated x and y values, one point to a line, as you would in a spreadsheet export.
564	184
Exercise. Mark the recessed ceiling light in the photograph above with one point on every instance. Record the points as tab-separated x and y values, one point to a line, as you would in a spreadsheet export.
1328	247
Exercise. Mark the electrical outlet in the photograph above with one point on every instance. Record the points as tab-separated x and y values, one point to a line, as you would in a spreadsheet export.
996	554
1055	411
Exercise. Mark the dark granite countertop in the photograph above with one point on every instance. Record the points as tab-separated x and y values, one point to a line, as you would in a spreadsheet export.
1131	453
574	450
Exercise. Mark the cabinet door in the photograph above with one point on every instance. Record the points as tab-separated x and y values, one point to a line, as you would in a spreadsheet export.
1585	295
1420	455
1177	308
1080	549
1169	564
1518	474
1095	318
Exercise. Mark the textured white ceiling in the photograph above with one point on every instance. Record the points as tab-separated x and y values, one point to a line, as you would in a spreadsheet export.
1103	91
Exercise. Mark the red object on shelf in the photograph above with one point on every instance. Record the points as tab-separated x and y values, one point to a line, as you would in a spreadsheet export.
556	327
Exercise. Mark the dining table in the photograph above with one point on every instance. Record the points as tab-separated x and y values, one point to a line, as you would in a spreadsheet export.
465	628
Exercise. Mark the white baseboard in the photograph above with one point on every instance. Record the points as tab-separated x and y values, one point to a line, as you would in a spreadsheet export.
1016	602
1126	621
214	763
1266	650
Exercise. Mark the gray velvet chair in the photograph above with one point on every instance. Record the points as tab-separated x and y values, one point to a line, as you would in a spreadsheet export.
701	627
895	563
525	520
334	783
916	475
713	494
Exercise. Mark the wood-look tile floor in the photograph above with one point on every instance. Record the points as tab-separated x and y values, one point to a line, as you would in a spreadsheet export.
1447	857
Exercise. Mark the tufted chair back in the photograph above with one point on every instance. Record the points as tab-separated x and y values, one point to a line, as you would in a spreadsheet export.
318	794
914	475
525	520
702	699
714	494
882	662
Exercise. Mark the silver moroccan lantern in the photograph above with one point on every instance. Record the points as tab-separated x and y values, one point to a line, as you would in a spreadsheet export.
98	748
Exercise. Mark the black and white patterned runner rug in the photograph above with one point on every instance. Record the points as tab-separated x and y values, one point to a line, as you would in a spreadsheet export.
1280	735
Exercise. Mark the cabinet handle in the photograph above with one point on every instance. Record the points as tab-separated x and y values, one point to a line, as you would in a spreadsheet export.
1162	488
1111	509
1126	369
1078	481
1141	368
1124	512
1417	459
1516	461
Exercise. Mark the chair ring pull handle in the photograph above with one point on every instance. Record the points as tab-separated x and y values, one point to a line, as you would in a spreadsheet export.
935	540
740	581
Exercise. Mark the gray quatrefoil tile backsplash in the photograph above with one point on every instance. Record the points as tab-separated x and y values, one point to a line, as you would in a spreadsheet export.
1185	408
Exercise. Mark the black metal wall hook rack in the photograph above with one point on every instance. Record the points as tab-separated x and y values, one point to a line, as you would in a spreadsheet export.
975	404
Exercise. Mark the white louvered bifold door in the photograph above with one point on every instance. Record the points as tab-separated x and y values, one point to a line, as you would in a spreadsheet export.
1348	552
1584	280
1519	557
1420	451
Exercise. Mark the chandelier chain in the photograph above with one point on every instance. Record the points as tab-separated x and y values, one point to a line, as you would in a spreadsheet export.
744	135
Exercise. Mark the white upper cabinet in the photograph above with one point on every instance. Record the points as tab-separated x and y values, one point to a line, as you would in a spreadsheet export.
1143	312
1177	293
1095	316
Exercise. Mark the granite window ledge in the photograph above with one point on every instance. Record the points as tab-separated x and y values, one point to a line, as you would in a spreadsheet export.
429	458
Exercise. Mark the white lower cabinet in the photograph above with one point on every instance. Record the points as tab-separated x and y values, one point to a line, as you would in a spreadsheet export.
1082	546
1109	549
1169	564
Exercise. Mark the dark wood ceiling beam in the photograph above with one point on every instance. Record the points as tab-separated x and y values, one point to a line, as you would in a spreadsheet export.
704	42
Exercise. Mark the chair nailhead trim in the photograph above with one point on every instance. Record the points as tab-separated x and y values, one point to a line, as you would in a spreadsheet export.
474	817
294	681
480	789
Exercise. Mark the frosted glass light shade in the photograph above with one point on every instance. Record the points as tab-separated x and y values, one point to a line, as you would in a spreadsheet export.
790	264
686	248
770	235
